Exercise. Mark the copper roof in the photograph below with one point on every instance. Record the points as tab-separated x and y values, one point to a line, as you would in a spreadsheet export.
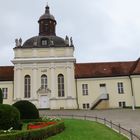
104	69
47	14
6	73
57	42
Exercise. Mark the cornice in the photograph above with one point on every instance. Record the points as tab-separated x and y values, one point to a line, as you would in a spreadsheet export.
43	60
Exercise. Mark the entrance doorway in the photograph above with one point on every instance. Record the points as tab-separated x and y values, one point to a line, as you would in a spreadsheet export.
44	101
103	89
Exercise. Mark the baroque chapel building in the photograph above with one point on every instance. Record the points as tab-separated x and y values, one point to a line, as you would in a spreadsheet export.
45	73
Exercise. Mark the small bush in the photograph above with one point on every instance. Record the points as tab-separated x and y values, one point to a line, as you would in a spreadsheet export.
1	96
27	110
9	117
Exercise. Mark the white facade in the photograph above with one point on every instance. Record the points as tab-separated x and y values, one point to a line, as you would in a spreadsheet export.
50	62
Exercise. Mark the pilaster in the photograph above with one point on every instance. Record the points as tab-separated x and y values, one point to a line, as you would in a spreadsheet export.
34	82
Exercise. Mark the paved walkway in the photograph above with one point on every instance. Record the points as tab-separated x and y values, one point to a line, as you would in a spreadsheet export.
128	119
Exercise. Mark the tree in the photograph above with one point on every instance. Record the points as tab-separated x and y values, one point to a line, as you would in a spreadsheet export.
1	96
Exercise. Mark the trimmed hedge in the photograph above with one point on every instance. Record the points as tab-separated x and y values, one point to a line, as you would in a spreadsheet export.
9	117
27	110
31	120
1	96
36	134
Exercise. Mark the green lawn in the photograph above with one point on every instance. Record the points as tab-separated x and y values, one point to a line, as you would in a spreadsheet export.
86	130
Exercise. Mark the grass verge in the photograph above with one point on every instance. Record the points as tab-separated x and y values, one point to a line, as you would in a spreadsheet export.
86	130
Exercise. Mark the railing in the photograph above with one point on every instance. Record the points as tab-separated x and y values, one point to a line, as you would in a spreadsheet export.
117	127
99	98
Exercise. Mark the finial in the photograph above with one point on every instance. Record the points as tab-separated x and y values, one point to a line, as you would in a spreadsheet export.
47	9
47	5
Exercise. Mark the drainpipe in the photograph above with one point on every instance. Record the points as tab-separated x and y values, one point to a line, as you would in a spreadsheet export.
132	91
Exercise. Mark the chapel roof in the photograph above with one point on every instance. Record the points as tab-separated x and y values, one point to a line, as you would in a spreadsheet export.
47	33
53	41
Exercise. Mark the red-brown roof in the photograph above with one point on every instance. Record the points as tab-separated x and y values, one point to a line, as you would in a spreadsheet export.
89	70
137	67
6	73
104	69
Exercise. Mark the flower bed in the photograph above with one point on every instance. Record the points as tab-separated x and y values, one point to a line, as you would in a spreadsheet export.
35	134
39	125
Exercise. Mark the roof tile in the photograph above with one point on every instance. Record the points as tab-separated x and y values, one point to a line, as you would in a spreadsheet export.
6	73
103	69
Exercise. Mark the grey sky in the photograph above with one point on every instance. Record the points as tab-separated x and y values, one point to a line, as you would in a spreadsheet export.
102	30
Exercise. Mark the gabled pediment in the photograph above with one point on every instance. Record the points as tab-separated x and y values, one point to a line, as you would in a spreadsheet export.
42	90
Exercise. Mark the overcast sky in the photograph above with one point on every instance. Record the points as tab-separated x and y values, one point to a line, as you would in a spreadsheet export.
102	30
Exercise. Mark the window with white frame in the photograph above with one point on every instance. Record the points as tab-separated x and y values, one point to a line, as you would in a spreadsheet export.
85	89
86	106
120	88
27	86
5	93
44	42
43	81
61	92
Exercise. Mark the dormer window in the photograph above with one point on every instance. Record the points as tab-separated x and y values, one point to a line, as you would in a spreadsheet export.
44	42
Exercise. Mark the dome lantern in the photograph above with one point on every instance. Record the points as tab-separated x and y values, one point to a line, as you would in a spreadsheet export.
47	23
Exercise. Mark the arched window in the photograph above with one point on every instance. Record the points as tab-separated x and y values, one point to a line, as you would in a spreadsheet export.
43	81
61	92
27	86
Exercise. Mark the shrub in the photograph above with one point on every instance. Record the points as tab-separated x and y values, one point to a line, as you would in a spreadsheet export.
1	96
27	110
9	117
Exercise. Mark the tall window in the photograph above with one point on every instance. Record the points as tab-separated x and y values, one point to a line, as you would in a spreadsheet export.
5	93
27	86
44	81
61	92
120	88
85	89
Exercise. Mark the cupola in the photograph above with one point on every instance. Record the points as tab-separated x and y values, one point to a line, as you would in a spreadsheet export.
47	23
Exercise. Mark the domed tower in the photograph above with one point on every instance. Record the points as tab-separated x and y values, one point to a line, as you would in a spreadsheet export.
47	34
44	68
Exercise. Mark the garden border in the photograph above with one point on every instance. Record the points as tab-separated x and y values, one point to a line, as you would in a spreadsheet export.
35	134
